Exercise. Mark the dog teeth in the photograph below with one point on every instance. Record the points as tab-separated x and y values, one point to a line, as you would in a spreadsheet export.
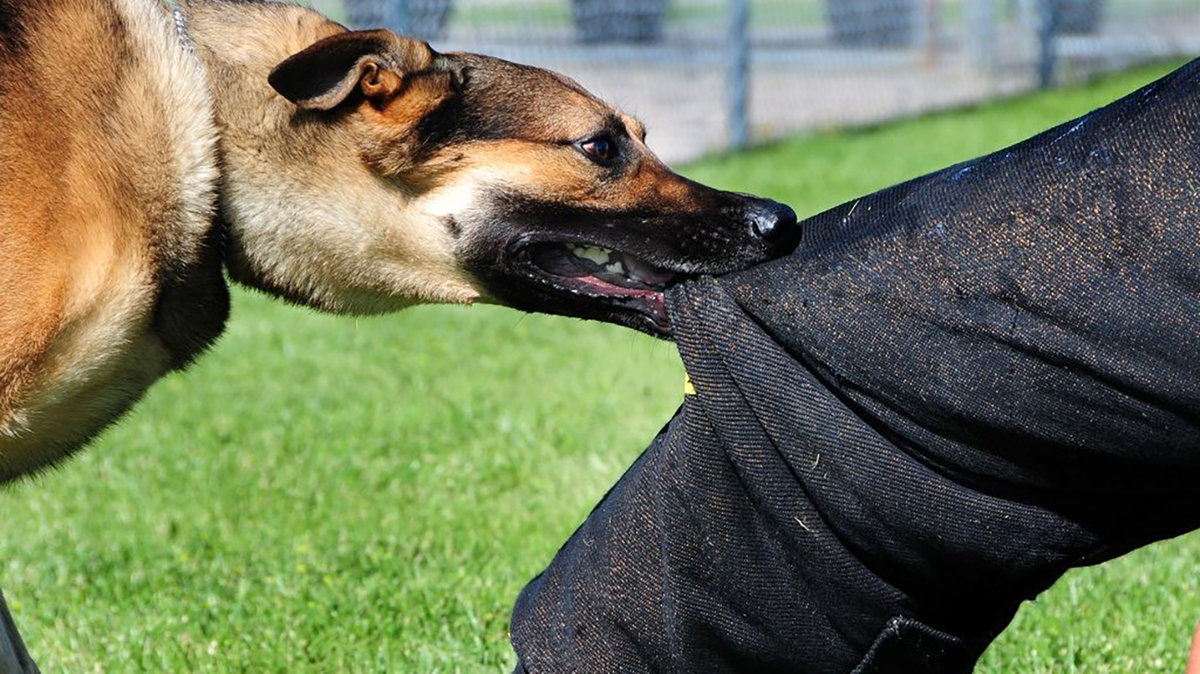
609	265
594	254
617	267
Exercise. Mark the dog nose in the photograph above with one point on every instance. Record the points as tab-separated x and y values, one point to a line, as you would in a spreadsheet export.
776	223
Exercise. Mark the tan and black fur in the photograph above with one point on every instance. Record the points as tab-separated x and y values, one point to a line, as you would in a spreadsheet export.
355	172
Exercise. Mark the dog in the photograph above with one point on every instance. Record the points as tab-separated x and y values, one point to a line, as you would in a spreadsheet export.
150	149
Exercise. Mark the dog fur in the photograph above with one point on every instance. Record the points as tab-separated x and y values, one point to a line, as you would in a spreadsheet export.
354	172
385	175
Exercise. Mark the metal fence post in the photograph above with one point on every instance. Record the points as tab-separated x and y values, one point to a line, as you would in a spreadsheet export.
1047	28
737	75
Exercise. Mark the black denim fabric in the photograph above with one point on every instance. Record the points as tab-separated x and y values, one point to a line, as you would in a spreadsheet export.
955	390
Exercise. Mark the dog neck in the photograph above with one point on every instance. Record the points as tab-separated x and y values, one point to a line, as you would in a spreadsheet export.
307	219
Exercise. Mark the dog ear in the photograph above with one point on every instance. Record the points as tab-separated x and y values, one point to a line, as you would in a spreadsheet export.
325	74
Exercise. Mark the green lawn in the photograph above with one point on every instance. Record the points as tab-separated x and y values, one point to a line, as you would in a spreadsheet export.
326	494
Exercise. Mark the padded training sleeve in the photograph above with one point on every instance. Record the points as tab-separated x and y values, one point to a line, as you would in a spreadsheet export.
955	390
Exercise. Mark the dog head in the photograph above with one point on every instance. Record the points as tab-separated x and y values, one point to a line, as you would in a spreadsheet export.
519	182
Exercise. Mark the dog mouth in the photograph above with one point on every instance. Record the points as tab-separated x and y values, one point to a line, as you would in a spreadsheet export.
614	279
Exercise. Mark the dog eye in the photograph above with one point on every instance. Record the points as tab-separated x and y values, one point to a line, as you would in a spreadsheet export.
600	149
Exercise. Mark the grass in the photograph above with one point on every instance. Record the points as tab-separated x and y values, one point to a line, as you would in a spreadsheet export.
325	494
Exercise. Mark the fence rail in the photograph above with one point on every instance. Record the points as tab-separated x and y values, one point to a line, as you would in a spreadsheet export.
708	75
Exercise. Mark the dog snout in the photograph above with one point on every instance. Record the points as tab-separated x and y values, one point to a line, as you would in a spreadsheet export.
774	223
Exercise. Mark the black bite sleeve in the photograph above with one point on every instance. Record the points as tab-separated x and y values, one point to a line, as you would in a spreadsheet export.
955	390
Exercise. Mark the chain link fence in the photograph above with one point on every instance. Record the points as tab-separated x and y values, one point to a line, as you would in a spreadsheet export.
707	75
